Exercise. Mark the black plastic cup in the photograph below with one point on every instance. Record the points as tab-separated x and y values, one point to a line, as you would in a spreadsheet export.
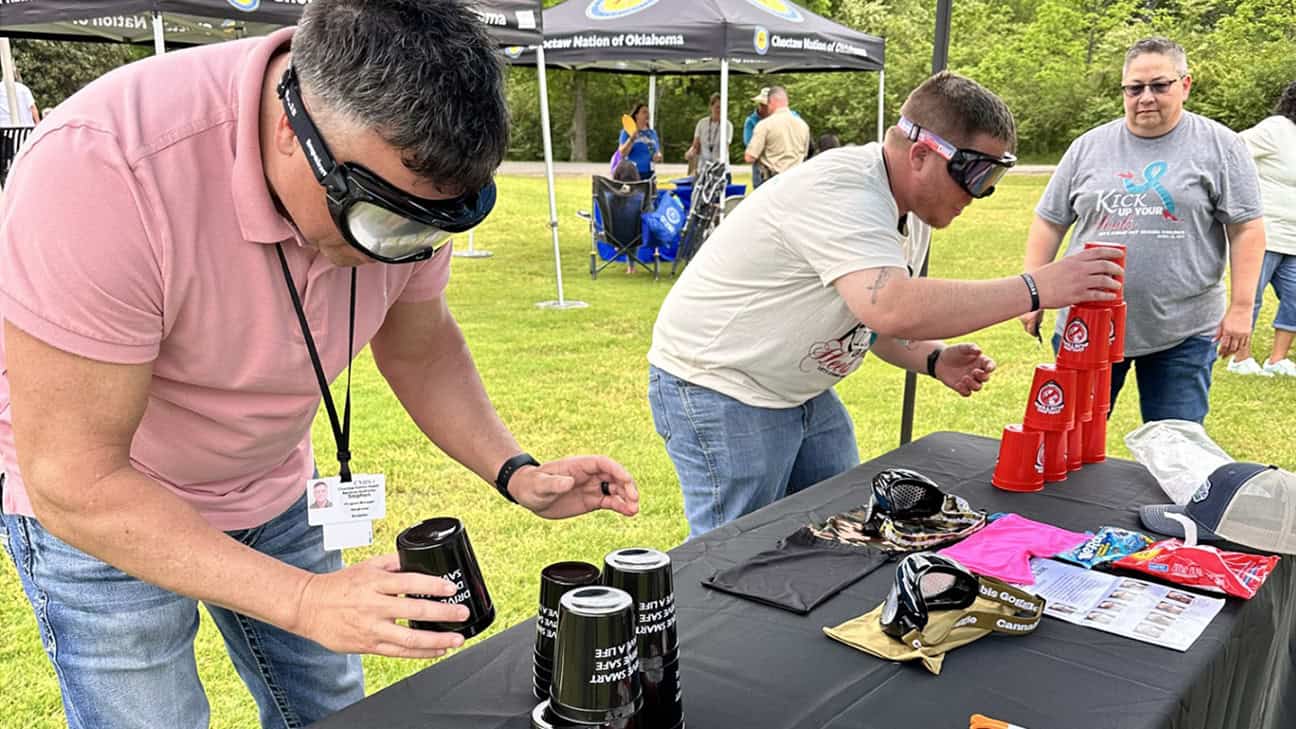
596	657
440	547
646	575
556	580
542	717
663	695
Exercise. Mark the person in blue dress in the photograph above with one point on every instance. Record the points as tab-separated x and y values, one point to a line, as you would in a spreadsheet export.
644	149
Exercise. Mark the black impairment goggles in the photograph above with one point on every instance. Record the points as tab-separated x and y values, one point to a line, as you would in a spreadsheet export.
976	172
925	582
904	494
374	216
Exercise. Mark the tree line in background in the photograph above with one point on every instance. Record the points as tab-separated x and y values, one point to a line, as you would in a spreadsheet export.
1057	63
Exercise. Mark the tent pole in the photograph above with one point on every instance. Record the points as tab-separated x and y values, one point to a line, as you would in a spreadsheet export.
881	102
10	86
472	251
940	57
652	101
159	34
724	107
561	303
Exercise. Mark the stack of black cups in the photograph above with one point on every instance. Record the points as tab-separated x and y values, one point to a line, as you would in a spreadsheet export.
556	580
645	574
596	663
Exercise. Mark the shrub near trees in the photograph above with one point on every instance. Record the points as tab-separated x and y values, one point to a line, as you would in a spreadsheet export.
1056	62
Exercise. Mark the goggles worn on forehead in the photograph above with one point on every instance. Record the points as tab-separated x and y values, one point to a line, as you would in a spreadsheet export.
928	582
976	172
374	216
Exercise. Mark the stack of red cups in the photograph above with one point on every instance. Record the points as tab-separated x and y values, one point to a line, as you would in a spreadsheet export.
1093	437
1065	424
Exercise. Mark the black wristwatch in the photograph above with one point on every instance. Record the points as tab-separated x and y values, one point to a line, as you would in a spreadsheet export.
508	469
932	356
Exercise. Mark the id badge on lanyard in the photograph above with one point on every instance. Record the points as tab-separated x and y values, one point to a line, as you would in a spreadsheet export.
344	505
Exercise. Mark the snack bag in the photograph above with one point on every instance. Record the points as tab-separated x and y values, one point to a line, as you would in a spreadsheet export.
1215	570
1108	545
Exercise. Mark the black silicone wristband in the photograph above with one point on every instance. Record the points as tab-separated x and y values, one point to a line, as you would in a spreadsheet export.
507	470
1033	289
931	361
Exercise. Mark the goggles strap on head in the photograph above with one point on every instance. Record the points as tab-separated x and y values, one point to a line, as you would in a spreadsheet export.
322	162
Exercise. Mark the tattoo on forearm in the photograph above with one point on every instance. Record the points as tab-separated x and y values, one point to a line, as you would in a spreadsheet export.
879	284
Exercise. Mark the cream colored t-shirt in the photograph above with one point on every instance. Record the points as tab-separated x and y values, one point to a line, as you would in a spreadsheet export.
755	315
1273	147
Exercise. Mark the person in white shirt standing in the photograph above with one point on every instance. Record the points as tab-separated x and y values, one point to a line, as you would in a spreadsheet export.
811	273
27	115
1273	147
708	143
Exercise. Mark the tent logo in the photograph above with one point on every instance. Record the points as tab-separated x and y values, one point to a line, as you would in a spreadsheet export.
514	51
245	5
612	9
784	10
760	40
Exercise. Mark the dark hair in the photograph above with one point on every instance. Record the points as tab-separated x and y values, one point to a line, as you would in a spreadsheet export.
957	108
626	171
423	74
714	98
635	111
827	142
1286	105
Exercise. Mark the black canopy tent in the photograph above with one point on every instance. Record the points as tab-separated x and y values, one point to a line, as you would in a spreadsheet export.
189	22
701	37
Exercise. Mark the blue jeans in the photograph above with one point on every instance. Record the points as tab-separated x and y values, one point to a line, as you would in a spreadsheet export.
122	649
1278	270
1173	384
733	458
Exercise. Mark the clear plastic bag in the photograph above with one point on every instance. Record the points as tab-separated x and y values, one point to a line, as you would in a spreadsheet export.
1178	453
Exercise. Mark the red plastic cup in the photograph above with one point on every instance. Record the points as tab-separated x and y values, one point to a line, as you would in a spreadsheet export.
1084	398
1102	392
1052	399
1116	341
1020	466
1054	458
1085	338
1075	447
1095	439
1119	262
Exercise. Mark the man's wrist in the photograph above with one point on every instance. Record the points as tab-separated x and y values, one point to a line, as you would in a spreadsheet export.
510	467
1033	290
932	358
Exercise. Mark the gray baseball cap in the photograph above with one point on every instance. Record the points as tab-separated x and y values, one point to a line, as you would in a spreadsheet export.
1248	503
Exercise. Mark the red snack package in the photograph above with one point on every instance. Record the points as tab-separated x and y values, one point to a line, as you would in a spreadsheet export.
1216	570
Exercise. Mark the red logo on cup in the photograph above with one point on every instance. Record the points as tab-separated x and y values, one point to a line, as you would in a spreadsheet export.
1111	335
1050	400
1075	338
1039	458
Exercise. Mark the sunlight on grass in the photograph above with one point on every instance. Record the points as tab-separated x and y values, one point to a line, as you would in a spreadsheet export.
575	382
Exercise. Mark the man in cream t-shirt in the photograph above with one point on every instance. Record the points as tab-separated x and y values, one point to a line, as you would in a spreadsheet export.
810	274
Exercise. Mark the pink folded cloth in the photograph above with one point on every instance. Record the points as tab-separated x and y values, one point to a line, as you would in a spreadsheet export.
1004	548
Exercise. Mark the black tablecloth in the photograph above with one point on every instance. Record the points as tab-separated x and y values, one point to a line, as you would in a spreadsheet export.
748	665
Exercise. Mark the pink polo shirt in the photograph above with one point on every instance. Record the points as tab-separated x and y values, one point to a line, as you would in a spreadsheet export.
137	227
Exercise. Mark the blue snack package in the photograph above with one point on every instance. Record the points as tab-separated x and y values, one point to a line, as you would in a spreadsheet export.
1108	545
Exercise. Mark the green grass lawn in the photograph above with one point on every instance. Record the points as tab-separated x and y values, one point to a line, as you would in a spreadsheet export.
574	382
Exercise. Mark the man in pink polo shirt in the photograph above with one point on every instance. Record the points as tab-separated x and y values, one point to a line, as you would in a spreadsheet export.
170	241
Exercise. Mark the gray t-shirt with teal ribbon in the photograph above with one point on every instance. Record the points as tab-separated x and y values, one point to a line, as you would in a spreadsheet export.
1167	199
